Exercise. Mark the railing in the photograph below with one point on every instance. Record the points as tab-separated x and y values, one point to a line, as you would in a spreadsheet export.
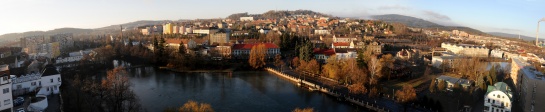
340	96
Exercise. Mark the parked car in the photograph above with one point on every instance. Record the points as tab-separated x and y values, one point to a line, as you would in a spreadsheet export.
18	101
20	110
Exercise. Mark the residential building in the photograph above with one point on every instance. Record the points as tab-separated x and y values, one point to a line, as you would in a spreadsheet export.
168	28
341	45
322	55
206	30
466	49
345	53
529	85
65	41
368	37
498	98
6	104
50	80
247	18
321	32
497	53
220	37
175	44
343	38
451	81
221	50
375	47
242	51
444	61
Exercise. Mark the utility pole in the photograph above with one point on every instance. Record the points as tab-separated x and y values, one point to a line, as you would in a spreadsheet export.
537	31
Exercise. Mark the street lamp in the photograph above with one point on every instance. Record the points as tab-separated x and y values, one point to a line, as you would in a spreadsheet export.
537	31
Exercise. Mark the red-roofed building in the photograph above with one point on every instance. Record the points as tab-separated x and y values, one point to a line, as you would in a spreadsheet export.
242	51
341	45
321	55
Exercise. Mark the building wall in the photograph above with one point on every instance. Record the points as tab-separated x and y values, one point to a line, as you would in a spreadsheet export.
167	28
464	50
6	101
497	101
531	92
219	38
51	84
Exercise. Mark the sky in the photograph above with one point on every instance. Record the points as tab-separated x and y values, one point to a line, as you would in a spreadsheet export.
509	16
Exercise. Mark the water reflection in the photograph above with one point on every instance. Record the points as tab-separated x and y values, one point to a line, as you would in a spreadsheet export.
239	92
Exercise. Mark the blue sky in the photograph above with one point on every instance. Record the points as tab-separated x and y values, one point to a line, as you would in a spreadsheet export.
509	16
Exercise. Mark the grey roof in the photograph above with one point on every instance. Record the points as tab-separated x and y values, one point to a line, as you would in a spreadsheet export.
50	70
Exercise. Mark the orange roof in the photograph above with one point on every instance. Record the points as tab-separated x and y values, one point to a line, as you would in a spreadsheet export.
176	41
327	52
249	46
341	44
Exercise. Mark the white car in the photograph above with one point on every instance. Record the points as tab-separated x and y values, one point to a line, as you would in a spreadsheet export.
20	110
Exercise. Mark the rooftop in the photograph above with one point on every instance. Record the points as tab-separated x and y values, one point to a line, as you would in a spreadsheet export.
327	52
249	46
500	86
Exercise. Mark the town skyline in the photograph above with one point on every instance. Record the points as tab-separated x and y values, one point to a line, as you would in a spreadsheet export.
488	16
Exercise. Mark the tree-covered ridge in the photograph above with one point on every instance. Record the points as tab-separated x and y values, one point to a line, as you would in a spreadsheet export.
273	14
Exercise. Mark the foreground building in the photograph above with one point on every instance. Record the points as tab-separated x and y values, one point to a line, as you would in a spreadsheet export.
529	84
6	104
498	98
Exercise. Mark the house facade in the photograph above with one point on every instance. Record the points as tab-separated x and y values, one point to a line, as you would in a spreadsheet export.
498	98
322	55
242	51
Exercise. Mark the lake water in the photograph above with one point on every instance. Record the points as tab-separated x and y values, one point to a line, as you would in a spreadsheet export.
257	91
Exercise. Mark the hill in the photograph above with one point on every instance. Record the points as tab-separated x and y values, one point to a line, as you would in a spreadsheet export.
515	36
421	23
15	36
272	14
132	25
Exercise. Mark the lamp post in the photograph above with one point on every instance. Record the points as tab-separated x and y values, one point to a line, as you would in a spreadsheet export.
537	31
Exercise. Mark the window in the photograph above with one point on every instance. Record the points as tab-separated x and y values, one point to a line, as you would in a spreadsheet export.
6	90
33	83
51	80
7	102
488	100
59	79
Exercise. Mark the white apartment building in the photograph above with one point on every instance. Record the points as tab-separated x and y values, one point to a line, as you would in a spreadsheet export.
498	98
6	104
321	32
246	18
466	49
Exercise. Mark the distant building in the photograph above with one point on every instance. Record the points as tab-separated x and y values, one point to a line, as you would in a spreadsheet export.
242	51
466	49
205	30
220	37
167	28
322	55
321	32
375	47
498	98
451	81
246	18
345	53
343	38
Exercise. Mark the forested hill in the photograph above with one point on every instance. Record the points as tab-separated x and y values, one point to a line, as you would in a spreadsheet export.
272	14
